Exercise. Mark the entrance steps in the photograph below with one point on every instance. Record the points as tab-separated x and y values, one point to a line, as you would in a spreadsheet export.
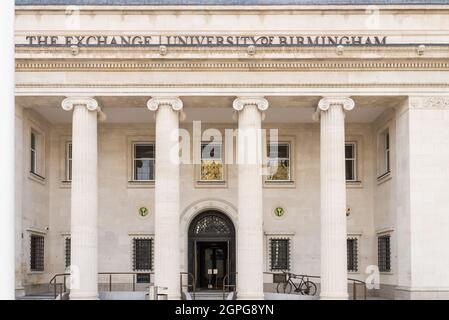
209	295
37	297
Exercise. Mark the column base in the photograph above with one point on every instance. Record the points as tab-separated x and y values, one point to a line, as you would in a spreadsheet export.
174	297
20	292
409	293
334	296
84	296
250	296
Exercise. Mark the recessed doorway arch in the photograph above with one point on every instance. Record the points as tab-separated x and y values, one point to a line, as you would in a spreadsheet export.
211	249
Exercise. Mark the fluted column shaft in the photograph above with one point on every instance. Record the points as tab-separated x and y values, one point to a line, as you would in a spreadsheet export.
250	201
84	202
333	198
167	240
7	153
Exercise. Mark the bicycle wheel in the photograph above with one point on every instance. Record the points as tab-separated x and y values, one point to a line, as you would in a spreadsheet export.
284	287
308	288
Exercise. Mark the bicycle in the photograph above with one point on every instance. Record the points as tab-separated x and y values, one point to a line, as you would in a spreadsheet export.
304	287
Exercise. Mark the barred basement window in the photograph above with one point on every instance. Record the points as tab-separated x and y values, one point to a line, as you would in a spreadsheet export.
352	247
280	254
384	253
142	258
37	246
68	252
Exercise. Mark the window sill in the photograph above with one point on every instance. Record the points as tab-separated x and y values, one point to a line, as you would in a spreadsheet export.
354	184
354	272
141	184
384	177
37	178
279	184
36	272
211	184
386	273
65	184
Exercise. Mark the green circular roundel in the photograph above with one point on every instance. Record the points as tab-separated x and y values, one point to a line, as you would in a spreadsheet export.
143	212
279	211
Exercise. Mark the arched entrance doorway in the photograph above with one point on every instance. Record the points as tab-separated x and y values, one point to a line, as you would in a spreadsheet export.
211	249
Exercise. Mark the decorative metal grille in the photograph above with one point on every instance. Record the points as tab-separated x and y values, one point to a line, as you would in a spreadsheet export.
280	254
142	254
212	225
352	247
37	246
68	252
384	253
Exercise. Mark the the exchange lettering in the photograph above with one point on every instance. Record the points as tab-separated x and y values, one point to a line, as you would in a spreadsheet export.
202	40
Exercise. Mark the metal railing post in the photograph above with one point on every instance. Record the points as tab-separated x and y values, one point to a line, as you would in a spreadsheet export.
110	282
134	282
354	290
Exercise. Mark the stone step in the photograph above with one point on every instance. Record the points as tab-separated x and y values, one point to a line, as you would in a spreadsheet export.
37	297
209	295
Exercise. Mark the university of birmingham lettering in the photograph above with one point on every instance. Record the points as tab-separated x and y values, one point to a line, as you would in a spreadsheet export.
201	40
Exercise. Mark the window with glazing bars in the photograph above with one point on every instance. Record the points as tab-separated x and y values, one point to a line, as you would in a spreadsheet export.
143	161
352	247
280	254
68	251
211	162
68	162
384	253
33	153
37	253
279	162
350	161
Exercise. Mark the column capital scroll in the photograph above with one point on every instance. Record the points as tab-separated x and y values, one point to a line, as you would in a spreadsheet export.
90	103
241	102
326	102
174	102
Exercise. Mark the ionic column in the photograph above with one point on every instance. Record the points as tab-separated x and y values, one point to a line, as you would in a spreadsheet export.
166	195
333	197
84	203
250	212
7	152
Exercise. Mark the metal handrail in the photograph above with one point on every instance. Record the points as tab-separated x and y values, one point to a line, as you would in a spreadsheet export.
355	282
228	286
188	286
63	287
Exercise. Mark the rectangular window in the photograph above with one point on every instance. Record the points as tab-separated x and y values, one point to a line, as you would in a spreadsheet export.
352	248
37	253
384	153
143	161
351	161
68	162
279	162
384	253
142	254
387	151
211	162
33	150
68	251
280	254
